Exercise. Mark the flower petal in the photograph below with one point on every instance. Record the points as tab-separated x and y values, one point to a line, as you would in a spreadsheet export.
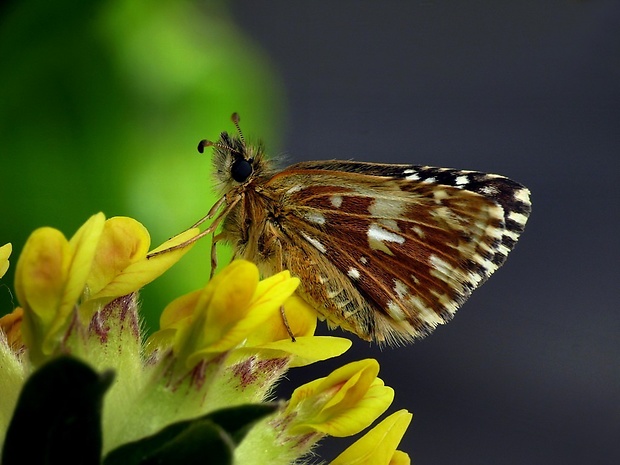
219	317
123	242
180	326
377	400
378	446
40	275
343	403
179	309
41	272
271	293
234	288
349	419
142	270
5	252
304	351
300	316
83	244
399	458
226	331
49	278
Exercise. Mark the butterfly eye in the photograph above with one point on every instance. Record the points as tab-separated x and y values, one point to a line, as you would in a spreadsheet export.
241	169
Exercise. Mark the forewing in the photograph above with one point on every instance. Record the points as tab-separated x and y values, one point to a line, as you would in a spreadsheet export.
391	251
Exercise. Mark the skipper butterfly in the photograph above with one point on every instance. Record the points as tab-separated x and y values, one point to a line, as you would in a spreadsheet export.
385	251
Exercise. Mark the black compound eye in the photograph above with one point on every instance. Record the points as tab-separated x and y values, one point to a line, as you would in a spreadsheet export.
241	169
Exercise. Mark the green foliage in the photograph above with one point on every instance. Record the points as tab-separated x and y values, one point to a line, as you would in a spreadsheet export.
58	421
208	439
103	103
58	416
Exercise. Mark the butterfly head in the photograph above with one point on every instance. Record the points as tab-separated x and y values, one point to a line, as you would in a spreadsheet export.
236	163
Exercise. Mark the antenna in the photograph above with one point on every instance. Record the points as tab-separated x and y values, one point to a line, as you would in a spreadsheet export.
207	143
235	119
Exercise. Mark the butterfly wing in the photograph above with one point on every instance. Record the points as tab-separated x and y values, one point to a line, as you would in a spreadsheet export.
391	251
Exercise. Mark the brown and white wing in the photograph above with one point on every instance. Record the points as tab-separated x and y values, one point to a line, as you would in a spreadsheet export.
391	251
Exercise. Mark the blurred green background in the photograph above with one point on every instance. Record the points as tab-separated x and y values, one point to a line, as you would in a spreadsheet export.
102	104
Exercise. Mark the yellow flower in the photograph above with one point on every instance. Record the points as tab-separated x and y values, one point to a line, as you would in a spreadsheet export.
343	403
120	265
10	324
378	446
222	346
49	278
218	317
5	252
103	260
236	312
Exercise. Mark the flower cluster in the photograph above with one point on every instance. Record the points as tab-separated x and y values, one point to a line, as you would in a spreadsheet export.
219	349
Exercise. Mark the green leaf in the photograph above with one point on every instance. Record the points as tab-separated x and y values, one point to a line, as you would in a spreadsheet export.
237	421
209	439
58	416
201	442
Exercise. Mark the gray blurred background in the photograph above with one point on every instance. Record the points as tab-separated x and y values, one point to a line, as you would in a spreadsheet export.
528	371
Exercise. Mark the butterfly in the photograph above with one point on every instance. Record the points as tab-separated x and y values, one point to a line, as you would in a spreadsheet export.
386	251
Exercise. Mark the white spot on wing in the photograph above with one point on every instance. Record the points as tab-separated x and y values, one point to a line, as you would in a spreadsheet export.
354	273
517	217
387	208
486	264
474	278
294	189
441	266
489	190
439	195
418	230
400	288
377	235
523	195
314	217
461	180
315	242
425	313
333	293
430	180
395	311
336	201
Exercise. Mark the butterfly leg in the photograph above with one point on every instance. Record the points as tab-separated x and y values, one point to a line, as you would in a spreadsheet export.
286	325
279	264
211	213
181	245
210	230
214	240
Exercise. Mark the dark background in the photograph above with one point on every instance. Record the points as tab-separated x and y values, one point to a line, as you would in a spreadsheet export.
527	372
